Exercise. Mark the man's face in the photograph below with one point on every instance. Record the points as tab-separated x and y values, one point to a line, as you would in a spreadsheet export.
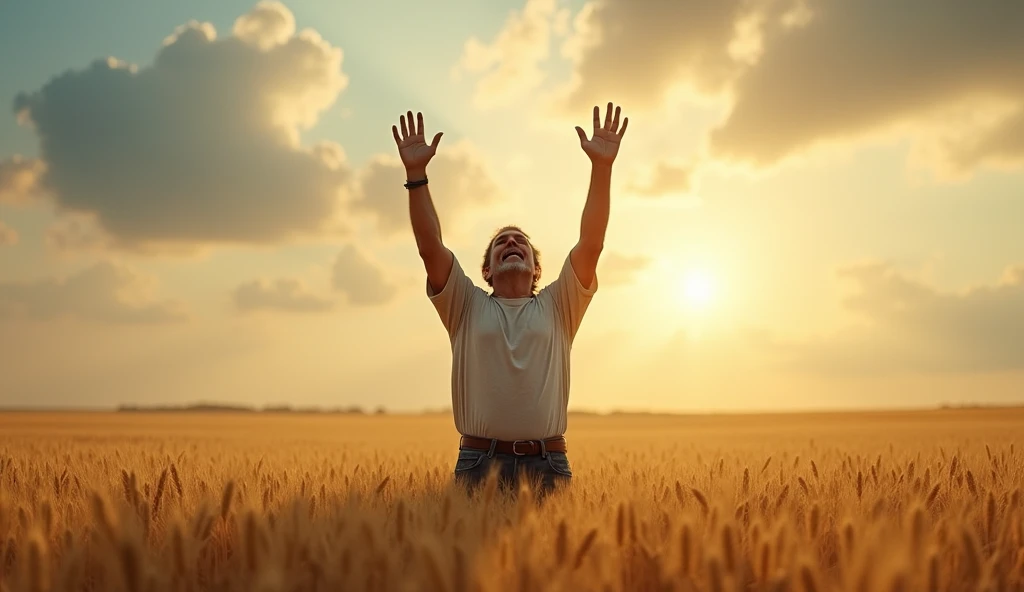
511	253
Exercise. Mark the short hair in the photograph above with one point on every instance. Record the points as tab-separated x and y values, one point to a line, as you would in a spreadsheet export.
536	256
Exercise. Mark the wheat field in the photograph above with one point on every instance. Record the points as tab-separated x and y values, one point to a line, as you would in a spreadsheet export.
927	500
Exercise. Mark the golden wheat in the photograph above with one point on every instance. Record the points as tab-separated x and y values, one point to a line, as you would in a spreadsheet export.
888	501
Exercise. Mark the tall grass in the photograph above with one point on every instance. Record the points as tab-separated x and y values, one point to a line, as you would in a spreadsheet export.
234	503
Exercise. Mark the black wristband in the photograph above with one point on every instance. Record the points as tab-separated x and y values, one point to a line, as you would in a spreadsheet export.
414	184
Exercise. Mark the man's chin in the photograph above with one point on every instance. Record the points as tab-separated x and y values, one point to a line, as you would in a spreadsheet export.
512	267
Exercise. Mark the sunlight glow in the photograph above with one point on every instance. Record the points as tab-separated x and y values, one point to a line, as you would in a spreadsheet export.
698	289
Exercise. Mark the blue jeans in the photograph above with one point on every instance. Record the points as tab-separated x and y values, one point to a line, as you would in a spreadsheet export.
547	472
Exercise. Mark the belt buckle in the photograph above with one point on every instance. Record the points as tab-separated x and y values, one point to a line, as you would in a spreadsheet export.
517	453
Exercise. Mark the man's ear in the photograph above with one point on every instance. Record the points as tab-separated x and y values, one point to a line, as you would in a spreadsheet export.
487	273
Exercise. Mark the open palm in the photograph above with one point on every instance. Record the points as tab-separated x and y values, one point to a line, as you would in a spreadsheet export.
604	145
412	147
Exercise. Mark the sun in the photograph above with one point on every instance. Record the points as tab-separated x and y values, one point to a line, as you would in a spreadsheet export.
698	289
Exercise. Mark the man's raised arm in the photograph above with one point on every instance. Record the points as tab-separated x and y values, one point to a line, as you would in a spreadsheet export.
426	227
601	149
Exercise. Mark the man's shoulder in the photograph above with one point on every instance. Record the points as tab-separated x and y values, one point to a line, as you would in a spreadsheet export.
457	281
567	280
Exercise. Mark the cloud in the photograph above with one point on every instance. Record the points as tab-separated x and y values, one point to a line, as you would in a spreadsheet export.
267	25
843	74
633	52
800	74
203	145
615	269
997	144
19	177
510	66
284	294
108	292
459	180
80	234
663	179
76	233
8	235
910	326
362	281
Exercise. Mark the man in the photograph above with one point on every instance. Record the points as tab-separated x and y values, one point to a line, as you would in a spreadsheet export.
511	348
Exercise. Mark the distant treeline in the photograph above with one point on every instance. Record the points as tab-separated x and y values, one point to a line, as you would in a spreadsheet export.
341	410
224	408
381	410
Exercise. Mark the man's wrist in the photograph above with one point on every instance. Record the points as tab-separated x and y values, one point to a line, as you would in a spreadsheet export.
415	174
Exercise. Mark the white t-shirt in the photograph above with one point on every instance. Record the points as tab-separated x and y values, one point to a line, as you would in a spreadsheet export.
510	356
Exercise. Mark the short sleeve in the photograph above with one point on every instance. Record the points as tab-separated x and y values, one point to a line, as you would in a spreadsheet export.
570	298
453	300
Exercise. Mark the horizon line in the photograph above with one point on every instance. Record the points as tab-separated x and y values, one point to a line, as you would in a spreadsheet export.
227	408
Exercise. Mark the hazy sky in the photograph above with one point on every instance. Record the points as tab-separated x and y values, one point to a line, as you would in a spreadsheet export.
818	204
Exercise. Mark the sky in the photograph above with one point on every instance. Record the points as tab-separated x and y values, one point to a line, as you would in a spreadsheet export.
817	204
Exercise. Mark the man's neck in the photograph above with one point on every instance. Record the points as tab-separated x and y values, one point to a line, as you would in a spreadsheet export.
513	286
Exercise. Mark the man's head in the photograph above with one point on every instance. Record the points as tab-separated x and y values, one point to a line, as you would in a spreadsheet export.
510	252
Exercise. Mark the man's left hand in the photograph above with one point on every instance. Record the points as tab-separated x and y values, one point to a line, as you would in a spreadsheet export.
603	147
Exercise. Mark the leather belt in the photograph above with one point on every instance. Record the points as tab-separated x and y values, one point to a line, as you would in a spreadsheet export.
516	447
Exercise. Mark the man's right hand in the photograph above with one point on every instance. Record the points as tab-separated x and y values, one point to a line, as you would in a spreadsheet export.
412	147
415	153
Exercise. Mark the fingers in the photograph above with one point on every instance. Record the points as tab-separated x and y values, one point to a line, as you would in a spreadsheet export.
394	132
436	140
622	131
610	124
409	126
581	134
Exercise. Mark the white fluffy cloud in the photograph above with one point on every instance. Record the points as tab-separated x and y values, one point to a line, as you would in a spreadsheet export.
284	294
510	66
203	145
19	178
106	292
76	233
617	269
859	67
8	235
909	326
362	280
633	52
799	74
459	180
663	179
355	278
